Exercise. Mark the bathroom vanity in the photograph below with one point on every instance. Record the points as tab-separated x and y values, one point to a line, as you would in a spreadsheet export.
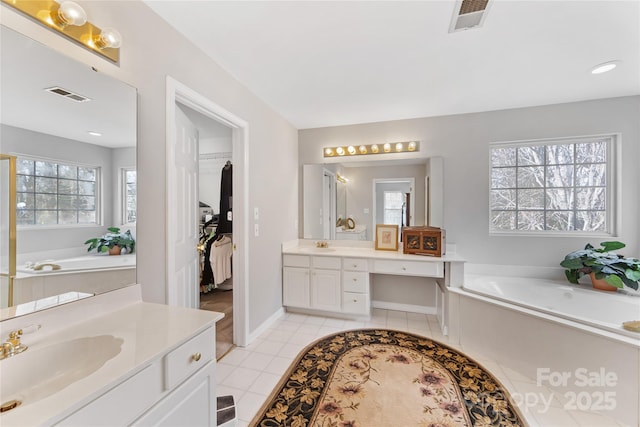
336	279
112	360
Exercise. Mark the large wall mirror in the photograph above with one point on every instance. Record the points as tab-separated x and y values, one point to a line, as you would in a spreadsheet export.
344	201
72	131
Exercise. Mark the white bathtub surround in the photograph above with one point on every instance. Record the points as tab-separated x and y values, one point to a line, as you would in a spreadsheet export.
566	337
92	274
148	375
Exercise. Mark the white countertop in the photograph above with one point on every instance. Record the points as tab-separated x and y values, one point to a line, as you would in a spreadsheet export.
344	248
148	330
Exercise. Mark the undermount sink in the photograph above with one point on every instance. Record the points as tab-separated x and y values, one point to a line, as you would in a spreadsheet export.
314	249
40	372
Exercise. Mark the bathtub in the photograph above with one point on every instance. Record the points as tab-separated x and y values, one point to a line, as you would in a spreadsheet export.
540	326
92	274
83	263
578	303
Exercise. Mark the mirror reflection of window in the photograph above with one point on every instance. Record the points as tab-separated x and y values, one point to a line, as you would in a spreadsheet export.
50	193
130	194
393	207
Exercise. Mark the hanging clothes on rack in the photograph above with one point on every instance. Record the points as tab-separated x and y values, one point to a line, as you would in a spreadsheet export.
225	224
220	259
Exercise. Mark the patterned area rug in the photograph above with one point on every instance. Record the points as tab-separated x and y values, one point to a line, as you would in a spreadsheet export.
383	378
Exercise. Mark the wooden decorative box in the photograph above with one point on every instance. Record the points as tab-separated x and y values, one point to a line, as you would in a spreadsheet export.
423	241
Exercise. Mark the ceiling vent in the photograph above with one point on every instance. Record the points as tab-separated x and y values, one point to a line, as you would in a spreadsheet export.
67	94
468	14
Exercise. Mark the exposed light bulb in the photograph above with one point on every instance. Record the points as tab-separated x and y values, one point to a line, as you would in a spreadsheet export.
340	151
70	13
108	38
328	152
399	146
374	149
363	149
411	146
351	149
386	147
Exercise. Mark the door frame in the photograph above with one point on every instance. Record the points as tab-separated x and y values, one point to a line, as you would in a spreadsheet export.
178	92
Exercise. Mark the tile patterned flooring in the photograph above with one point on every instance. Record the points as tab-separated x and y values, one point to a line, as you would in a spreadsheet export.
251	373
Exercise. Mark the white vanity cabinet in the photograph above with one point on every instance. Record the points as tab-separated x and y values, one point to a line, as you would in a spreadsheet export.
326	283
295	281
355	286
325	290
177	388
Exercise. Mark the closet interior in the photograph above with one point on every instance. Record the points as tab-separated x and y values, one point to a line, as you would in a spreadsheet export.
215	193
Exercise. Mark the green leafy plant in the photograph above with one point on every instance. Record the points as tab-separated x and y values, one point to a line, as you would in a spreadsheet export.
617	270
113	238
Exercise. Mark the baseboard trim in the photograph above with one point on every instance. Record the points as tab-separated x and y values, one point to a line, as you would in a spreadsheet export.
422	309
265	325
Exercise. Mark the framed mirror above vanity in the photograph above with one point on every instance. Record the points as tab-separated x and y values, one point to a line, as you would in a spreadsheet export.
350	196
72	132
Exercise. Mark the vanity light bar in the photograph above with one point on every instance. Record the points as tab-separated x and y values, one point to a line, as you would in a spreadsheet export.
362	150
69	19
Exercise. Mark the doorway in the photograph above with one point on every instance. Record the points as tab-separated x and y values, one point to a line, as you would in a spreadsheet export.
193	114
392	202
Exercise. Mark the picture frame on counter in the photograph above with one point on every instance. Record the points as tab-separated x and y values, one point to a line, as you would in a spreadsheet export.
386	237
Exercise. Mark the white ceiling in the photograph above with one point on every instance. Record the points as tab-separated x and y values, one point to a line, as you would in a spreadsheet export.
326	63
28	67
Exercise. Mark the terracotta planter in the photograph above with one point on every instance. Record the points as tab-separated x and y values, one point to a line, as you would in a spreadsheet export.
601	284
115	250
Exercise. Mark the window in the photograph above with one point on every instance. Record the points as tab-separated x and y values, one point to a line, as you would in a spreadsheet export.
552	186
393	207
52	193
129	192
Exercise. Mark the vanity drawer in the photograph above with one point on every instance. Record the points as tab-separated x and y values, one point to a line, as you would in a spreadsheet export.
355	303
295	261
355	281
355	264
409	268
189	357
332	263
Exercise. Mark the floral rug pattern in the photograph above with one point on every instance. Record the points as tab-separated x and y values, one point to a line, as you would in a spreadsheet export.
380	378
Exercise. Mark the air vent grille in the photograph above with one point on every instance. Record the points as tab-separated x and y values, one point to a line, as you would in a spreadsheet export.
470	6
67	94
468	14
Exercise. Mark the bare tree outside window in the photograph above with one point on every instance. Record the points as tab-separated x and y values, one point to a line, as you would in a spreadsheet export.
130	194
551	186
51	193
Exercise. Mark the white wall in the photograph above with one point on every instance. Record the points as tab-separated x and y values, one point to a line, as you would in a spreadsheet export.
463	141
147	58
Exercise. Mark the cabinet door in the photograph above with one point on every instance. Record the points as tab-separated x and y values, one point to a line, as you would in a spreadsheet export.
191	404
295	287
326	293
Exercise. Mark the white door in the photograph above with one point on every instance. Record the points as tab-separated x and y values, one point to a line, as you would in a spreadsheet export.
182	216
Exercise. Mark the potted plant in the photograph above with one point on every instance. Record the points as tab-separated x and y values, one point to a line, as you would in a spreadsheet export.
603	264
113	242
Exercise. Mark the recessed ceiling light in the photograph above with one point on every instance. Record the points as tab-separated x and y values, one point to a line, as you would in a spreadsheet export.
604	67
92	133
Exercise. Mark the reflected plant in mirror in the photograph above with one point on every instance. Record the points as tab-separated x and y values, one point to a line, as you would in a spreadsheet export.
72	130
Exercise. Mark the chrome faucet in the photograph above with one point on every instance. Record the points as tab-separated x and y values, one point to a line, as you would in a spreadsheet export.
322	244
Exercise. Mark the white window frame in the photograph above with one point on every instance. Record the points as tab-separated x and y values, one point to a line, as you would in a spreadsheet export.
612	187
98	194
123	195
